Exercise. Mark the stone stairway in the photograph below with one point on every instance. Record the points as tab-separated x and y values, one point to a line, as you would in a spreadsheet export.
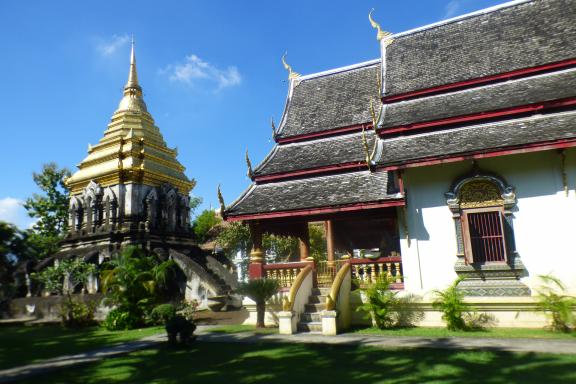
311	320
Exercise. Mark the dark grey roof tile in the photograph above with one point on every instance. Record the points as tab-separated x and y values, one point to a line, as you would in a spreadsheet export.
479	138
335	100
317	153
521	36
314	192
536	89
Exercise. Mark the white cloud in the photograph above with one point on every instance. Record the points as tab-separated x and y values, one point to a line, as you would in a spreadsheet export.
452	8
108	47
195	70
12	211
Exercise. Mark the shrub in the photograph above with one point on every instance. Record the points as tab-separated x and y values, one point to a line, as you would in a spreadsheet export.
451	302
162	313
386	308
188	310
180	326
76	313
259	290
558	306
123	318
134	281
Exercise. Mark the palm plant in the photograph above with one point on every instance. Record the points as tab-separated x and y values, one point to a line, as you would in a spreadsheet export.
259	290
133	281
553	301
451	302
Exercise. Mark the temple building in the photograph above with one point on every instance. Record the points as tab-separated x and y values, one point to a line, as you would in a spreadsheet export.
131	190
450	156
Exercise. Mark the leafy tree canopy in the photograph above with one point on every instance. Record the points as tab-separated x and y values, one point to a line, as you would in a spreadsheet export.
202	225
50	208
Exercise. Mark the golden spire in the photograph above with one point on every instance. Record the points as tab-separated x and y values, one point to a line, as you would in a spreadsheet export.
382	35
132	99
132	83
291	73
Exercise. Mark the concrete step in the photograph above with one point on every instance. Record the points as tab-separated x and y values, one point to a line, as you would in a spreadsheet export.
310	317
314	299
321	291
312	326
314	307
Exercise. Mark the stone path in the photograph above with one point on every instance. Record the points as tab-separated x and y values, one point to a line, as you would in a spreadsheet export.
558	346
509	345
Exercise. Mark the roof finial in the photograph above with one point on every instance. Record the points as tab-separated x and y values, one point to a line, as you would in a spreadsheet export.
382	35
221	201
250	173
291	74
132	75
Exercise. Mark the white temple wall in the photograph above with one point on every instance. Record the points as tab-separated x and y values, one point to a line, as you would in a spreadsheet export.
543	219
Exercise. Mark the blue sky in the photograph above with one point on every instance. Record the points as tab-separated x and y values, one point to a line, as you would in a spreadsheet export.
210	71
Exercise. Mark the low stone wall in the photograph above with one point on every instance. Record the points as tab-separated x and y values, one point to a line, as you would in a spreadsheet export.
48	307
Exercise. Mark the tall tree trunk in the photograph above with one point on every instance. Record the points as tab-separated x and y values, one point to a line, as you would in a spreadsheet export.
260	313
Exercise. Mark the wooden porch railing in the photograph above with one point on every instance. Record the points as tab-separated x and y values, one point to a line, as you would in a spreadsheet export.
285	273
364	271
367	271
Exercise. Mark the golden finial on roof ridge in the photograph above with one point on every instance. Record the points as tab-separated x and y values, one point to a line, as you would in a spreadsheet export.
291	74
274	130
249	164
381	35
221	201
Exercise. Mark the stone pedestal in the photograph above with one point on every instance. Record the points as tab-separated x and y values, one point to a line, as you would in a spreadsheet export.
329	323
287	322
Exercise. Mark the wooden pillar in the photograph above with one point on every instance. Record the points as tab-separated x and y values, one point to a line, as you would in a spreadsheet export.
329	241
257	260
304	242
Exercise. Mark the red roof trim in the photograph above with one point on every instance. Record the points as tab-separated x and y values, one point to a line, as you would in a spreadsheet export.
480	80
478	116
326	133
318	211
529	148
310	171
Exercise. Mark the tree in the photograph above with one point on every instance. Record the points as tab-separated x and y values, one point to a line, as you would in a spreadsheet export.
13	249
259	290
204	223
50	208
133	281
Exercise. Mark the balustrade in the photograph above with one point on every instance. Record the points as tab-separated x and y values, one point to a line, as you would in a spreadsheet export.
367	271
285	273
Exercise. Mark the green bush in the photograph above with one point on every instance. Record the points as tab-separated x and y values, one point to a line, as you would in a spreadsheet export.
134	281
76	313
451	302
122	318
386	308
259	290
180	326
162	313
558	306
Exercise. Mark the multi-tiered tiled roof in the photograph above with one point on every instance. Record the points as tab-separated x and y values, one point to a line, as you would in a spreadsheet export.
492	83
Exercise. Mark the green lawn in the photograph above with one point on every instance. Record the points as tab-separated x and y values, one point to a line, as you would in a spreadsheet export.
20	345
490	332
299	363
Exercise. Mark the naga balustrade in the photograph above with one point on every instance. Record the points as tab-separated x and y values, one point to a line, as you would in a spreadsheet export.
285	273
367	271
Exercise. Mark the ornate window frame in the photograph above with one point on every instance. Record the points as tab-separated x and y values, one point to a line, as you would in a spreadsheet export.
486	278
